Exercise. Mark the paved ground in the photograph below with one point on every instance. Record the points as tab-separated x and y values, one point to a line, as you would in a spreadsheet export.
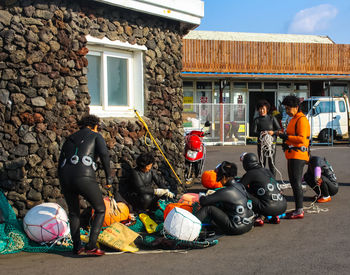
318	244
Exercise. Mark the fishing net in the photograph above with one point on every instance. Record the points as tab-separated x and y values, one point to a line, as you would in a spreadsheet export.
13	239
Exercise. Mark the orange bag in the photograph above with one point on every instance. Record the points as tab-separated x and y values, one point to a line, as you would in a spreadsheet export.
209	180
171	206
189	198
115	211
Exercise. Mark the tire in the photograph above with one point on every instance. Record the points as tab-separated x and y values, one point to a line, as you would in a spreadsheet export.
326	135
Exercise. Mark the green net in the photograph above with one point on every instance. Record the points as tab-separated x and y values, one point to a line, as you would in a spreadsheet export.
13	239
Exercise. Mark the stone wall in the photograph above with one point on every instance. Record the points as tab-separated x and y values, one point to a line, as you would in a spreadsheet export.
43	91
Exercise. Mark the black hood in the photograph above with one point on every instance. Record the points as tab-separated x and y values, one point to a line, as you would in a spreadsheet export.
250	161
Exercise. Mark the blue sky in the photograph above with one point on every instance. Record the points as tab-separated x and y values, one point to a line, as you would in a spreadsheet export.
319	17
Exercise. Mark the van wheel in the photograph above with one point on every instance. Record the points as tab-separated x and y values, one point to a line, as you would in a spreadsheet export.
326	136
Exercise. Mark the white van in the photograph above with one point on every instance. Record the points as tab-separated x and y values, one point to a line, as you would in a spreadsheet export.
328	117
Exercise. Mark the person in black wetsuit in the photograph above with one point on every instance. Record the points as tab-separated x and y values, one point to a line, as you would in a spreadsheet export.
263	188
76	171
229	207
146	187
321	178
266	124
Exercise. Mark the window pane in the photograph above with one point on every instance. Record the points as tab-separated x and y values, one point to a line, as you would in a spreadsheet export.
188	84
341	106
117	81
270	85
254	85
240	84
204	85
94	78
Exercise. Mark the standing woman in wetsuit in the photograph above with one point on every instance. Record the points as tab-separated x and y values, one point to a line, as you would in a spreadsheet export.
76	172
266	124
295	147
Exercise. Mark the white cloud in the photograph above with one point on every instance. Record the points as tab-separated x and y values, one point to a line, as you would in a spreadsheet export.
313	19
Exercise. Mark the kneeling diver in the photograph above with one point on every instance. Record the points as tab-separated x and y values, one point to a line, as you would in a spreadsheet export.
263	188
229	207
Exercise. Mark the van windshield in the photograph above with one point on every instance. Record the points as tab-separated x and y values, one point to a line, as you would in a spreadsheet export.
307	105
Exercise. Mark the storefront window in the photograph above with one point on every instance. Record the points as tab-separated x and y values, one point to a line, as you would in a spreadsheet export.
270	85
226	98
240	85
285	85
254	85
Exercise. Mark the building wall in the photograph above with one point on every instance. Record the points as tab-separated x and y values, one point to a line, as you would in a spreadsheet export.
44	91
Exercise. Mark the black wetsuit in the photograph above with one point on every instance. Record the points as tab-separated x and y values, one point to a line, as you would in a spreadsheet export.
266	123
329	185
140	193
79	179
229	208
265	192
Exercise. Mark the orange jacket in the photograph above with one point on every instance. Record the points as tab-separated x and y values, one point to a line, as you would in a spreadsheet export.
298	138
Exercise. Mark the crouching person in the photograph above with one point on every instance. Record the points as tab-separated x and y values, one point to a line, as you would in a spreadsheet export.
146	187
321	178
263	188
228	208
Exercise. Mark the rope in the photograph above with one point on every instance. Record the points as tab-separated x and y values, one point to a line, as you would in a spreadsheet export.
160	150
267	150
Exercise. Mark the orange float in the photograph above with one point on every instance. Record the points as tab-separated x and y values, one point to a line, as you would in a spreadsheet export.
209	180
171	206
115	211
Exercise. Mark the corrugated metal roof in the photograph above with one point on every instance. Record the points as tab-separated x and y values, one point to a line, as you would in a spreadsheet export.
258	37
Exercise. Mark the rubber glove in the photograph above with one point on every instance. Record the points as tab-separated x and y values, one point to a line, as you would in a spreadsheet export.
209	192
160	192
170	195
283	136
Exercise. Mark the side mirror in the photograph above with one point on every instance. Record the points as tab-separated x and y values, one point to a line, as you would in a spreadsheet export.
207	124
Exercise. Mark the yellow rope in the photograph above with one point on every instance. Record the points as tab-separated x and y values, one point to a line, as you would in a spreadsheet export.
146	127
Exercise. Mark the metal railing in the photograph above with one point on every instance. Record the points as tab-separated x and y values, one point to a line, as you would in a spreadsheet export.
228	122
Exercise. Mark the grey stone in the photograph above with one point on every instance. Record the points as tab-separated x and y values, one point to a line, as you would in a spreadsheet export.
5	17
20	150
4	96
34	195
41	81
38	101
16	163
29	138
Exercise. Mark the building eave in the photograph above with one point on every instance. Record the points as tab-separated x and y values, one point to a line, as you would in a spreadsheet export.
189	12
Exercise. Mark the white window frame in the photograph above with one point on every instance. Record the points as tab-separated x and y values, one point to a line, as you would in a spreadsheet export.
135	82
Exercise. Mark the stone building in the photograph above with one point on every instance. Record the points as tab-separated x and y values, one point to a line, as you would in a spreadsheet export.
61	59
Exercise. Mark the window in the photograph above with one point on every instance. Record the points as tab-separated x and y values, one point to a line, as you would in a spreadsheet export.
115	78
270	85
254	85
341	106
326	107
285	86
241	85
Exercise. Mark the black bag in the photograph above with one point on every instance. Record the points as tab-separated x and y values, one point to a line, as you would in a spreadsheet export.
328	171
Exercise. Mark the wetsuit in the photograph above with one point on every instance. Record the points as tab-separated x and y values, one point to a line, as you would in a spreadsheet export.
229	208
141	191
296	143
263	188
76	172
261	124
318	168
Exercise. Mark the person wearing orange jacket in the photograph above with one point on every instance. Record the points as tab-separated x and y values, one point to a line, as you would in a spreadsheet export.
296	150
